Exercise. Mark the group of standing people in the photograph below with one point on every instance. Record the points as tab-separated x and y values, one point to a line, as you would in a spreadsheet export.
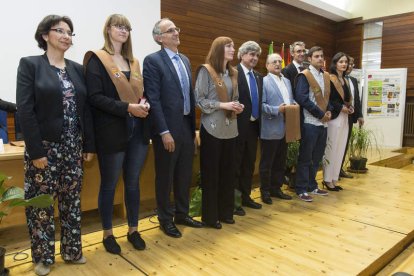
69	112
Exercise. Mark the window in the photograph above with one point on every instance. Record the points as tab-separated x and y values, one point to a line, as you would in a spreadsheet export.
372	43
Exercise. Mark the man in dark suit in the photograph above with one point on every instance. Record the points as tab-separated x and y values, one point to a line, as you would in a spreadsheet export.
167	83
7	106
298	52
4	108
250	85
357	115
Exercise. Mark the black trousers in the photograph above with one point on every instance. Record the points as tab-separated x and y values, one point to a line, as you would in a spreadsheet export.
272	164
174	171
246	158
217	177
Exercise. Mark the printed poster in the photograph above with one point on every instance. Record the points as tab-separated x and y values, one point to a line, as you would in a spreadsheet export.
384	92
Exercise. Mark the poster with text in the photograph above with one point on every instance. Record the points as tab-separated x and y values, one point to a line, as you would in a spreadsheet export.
383	104
384	91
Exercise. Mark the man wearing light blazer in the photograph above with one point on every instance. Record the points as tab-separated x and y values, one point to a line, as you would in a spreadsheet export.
277	94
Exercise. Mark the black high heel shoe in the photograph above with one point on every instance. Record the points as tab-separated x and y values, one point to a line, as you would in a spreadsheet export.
334	189
339	187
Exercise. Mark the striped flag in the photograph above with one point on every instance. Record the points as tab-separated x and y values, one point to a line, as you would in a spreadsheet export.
282	54
289	57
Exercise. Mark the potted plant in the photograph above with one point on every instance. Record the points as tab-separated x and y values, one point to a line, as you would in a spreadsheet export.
11	197
360	142
291	163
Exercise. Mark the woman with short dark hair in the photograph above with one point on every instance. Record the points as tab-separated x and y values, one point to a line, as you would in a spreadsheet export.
56	123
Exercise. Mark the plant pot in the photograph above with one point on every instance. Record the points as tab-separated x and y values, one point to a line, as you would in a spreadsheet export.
3	271
358	165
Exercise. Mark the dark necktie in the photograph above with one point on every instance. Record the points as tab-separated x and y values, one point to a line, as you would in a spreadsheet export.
254	96
301	68
185	86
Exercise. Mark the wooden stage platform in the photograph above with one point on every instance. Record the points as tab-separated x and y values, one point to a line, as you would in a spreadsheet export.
359	230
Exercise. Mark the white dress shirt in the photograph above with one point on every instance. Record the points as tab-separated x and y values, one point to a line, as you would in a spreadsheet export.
246	75
282	87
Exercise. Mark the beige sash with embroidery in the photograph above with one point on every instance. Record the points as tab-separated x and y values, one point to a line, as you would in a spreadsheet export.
340	89
221	88
322	99
129	91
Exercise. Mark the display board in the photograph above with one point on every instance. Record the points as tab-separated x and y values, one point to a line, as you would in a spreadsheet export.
383	104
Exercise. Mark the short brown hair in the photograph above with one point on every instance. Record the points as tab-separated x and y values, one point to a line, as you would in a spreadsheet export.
215	56
313	50
294	44
118	19
46	24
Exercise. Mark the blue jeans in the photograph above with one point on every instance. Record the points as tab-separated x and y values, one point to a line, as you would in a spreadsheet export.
311	150
130	162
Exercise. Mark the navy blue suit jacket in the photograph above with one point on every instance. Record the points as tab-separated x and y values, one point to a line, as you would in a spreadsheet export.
302	98
243	119
163	90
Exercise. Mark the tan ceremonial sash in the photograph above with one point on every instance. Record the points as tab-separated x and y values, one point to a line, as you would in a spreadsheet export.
221	88
292	123
128	91
340	89
322	99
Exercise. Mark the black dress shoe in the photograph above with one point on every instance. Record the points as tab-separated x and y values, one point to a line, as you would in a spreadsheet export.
251	204
136	240
334	189
228	221
216	225
280	194
111	245
188	221
170	229
239	211
265	195
344	174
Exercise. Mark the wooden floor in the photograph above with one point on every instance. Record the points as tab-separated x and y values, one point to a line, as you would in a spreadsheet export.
366	227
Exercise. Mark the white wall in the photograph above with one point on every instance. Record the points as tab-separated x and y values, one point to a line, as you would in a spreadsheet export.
368	9
19	20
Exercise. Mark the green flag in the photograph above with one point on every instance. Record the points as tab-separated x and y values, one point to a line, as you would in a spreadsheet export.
271	48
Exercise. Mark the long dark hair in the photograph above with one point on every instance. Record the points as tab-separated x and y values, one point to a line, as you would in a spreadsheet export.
335	59
215	56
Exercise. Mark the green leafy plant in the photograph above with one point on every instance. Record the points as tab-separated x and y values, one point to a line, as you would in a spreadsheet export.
291	163
292	155
12	196
361	141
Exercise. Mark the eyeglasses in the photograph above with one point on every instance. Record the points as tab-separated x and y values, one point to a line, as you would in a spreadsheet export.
172	30
63	32
120	27
275	62
300	51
